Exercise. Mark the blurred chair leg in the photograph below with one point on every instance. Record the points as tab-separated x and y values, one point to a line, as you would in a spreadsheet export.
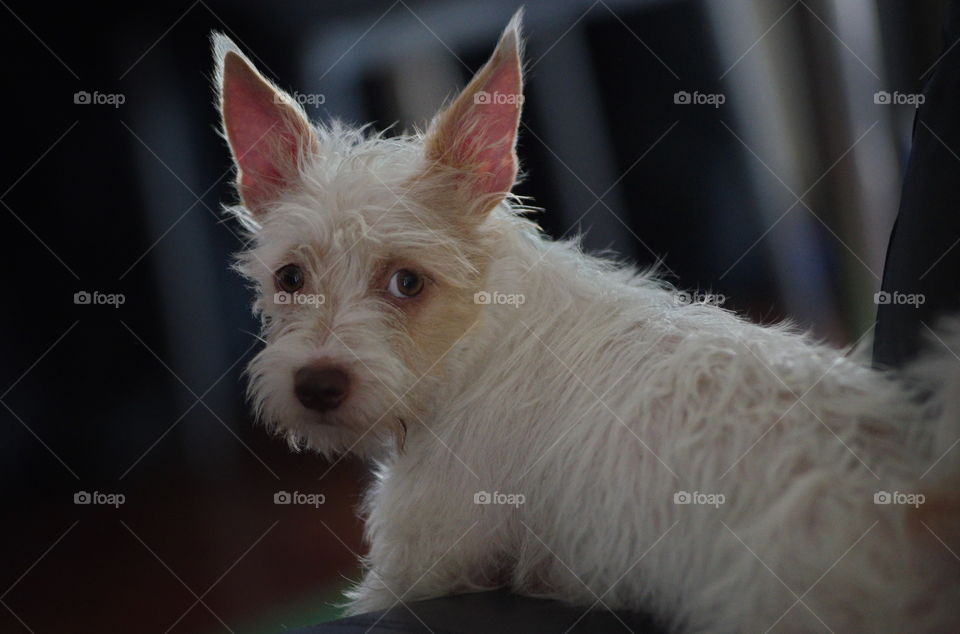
924	252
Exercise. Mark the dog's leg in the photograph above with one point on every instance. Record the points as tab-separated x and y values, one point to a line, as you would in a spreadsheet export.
424	567
427	538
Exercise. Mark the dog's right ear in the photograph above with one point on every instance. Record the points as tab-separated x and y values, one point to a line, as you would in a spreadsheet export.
269	135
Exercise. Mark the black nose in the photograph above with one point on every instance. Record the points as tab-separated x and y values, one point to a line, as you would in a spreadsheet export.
321	387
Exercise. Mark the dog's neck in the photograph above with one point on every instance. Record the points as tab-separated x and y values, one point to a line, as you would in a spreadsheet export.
571	307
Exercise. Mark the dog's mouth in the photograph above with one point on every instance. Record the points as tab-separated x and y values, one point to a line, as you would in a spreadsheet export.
392	431
322	420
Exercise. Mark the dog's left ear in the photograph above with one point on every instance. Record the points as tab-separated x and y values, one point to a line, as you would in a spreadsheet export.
475	137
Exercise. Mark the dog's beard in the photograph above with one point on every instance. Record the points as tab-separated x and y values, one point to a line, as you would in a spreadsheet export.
373	417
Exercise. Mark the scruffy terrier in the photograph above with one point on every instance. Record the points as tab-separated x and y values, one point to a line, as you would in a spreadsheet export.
561	425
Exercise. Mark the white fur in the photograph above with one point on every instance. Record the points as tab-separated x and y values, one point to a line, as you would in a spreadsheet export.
598	399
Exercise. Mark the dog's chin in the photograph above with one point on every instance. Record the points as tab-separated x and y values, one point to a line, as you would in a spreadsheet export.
342	431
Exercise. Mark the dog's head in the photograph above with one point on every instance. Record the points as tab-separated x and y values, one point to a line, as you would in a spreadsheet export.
366	252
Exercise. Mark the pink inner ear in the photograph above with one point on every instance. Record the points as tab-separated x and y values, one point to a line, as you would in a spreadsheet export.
258	131
492	129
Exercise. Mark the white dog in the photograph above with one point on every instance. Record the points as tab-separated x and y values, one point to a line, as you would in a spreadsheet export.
561	425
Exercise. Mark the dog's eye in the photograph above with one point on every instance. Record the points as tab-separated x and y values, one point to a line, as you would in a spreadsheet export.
290	278
405	283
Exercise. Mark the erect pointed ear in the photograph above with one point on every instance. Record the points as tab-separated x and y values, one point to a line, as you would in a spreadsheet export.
476	135
268	133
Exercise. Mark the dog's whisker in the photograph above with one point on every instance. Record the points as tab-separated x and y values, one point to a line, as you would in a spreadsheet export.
254	335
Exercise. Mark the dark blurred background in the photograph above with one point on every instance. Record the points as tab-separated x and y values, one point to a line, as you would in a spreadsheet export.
781	198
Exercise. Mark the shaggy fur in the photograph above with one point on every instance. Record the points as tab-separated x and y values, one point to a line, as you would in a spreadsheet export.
595	398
